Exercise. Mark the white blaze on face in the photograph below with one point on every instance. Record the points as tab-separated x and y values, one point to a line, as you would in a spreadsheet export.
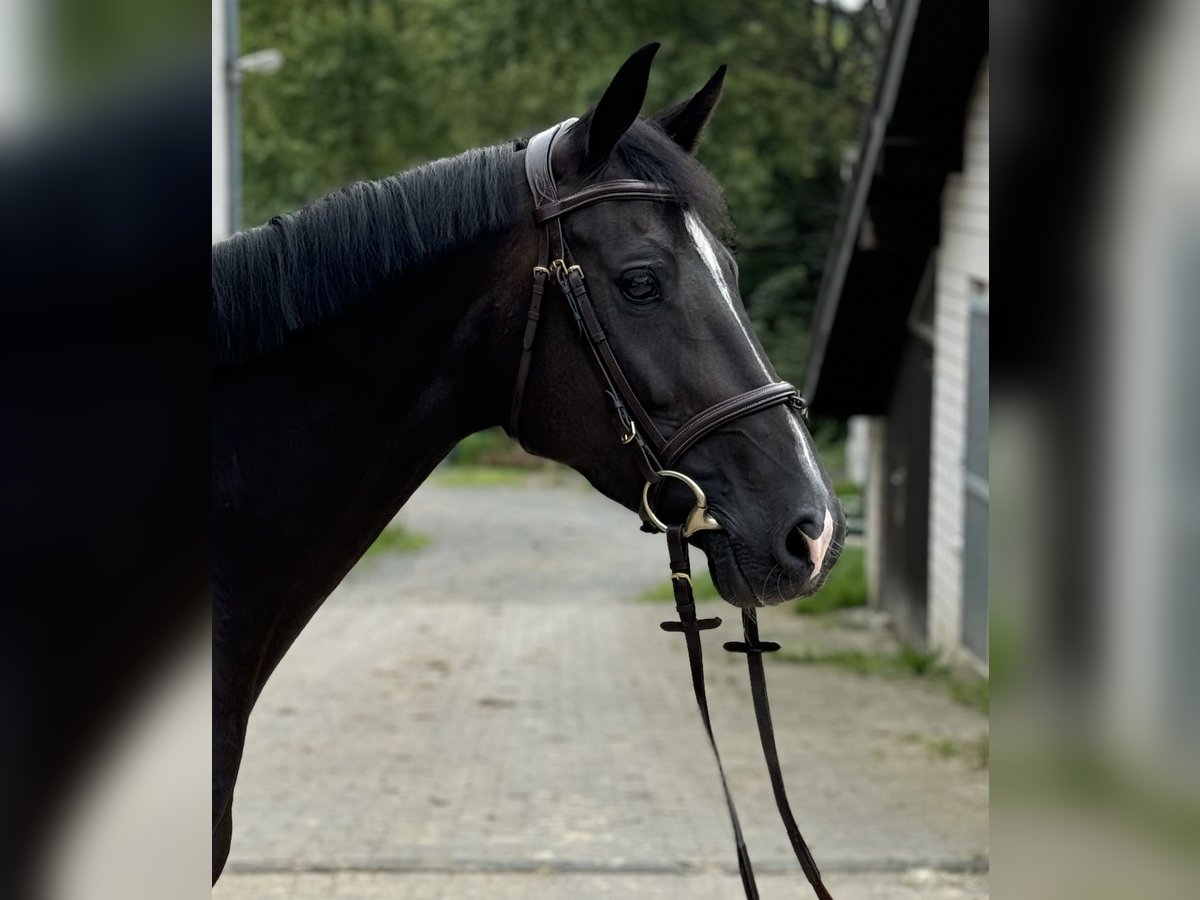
818	547
705	246
703	243
807	458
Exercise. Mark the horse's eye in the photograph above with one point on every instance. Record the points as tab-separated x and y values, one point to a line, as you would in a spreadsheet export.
639	286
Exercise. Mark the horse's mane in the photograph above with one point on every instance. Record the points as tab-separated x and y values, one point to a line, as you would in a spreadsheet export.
313	265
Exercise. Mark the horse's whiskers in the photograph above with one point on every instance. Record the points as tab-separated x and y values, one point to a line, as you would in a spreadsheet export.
762	596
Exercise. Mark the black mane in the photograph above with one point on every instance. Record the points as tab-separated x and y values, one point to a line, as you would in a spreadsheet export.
314	265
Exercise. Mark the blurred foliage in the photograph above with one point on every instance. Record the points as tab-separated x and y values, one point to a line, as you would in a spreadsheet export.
664	592
93	48
845	587
470	475
846	488
373	87
961	685
493	447
396	539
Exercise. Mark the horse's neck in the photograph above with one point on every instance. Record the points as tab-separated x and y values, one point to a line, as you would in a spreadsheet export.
317	447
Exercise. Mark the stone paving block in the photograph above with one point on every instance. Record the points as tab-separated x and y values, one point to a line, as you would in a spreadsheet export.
525	711
917	885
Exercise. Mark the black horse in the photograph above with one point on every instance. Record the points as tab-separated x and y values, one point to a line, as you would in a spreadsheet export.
362	337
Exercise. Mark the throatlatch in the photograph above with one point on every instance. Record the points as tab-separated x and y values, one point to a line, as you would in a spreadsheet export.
691	626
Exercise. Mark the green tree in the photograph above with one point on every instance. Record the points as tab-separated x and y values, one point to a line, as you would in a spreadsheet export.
372	87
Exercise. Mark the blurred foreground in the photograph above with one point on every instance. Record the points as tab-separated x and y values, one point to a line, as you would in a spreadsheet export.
1095	488
1095	426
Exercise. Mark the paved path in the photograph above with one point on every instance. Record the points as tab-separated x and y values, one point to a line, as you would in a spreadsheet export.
507	721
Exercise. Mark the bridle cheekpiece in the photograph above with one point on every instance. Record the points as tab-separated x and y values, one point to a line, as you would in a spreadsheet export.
655	455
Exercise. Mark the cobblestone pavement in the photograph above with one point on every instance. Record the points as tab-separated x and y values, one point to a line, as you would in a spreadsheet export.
496	715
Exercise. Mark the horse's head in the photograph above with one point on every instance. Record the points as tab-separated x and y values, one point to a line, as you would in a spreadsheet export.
666	291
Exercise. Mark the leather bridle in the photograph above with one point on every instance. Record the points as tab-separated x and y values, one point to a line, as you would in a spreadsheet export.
655	455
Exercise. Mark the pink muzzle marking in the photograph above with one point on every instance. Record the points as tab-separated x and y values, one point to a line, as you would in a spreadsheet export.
819	546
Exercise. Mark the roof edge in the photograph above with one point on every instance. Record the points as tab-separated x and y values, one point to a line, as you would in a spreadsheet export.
854	199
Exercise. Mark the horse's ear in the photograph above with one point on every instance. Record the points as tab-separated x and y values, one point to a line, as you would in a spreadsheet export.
619	106
684	122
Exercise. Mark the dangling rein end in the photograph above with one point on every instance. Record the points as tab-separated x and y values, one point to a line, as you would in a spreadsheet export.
752	644
690	627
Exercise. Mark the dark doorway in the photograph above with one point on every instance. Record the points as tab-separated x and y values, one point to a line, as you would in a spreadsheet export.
906	542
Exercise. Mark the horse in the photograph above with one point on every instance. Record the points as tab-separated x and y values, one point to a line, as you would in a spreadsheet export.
360	338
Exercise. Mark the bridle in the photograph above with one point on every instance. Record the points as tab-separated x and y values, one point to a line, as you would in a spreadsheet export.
655	455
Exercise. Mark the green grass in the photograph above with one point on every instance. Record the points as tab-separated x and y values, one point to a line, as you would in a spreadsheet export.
702	589
855	661
396	539
967	689
1084	778
475	448
479	476
976	752
495	448
846	586
946	748
973	692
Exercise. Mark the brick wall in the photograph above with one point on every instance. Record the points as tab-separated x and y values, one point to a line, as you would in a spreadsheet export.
962	262
876	493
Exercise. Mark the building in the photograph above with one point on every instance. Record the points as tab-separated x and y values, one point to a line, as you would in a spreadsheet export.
900	331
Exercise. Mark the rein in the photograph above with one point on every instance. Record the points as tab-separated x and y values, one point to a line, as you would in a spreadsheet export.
655	455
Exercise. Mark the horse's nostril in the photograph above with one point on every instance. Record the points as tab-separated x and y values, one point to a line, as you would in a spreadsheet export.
809	541
796	545
811	527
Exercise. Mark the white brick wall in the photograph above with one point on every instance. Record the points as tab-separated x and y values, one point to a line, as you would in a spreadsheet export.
876	524
962	257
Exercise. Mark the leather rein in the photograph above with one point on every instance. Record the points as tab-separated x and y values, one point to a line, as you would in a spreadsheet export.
655	455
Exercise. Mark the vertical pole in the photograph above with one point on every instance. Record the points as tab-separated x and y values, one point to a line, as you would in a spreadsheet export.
233	115
220	125
21	52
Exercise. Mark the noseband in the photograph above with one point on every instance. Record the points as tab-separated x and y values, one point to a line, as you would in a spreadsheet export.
655	455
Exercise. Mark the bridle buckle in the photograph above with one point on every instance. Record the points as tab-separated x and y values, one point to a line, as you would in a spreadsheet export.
799	404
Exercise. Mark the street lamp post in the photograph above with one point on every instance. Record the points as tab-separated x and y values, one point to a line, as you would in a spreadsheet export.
233	114
236	67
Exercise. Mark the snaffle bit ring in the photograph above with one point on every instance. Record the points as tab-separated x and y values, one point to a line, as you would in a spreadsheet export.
699	519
